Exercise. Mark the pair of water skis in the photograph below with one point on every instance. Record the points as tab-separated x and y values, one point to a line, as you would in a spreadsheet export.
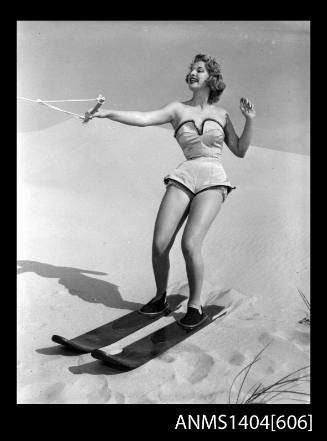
144	349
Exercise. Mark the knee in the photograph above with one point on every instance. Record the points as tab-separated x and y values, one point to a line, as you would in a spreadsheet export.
190	246
160	248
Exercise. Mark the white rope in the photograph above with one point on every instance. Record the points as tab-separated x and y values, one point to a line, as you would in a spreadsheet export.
67	101
56	101
60	110
85	117
76	115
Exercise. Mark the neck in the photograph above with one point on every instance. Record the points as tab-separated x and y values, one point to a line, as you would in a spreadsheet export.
200	98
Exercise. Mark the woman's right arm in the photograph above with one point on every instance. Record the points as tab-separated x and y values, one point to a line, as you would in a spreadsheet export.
142	119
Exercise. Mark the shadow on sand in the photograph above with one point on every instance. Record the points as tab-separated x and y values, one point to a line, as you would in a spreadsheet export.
57	350
79	284
97	368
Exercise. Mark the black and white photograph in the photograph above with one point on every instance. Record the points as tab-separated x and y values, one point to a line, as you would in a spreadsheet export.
163	212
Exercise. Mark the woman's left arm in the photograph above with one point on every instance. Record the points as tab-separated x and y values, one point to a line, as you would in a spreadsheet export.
240	145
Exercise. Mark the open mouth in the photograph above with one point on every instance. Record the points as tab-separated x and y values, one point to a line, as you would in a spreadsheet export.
193	80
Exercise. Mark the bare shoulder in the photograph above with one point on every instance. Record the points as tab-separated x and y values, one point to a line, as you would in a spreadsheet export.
179	107
220	110
174	108
221	114
178	110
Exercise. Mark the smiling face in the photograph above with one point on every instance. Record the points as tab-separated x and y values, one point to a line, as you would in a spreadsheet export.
198	76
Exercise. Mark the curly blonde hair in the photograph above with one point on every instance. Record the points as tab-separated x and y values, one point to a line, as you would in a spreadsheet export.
215	80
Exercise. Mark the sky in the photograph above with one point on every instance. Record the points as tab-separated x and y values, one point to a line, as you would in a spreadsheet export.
141	65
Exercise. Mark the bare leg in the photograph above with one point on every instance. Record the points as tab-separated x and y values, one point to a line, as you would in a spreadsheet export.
172	213
203	210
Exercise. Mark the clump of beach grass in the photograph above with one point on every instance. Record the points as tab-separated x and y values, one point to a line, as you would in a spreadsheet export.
305	320
287	385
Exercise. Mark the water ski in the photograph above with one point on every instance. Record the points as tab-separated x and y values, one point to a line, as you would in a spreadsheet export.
155	344
117	329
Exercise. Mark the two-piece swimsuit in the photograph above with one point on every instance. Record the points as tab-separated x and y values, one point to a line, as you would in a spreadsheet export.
202	168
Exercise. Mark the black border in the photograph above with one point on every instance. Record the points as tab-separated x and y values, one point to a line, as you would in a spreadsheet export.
153	420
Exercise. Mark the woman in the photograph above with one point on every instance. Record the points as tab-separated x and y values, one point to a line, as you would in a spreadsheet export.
196	189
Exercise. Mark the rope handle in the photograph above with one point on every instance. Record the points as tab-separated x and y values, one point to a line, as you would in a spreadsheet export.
100	100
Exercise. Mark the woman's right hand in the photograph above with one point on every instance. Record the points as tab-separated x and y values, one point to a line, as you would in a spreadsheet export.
96	115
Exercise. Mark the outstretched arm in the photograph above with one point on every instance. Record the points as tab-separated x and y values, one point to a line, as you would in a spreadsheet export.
142	119
240	145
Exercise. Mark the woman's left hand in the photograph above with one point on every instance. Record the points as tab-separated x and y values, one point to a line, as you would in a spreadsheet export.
247	108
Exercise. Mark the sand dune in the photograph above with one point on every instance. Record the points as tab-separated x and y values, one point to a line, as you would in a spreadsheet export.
87	201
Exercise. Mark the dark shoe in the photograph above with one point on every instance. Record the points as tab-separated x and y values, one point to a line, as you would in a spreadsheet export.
155	307
193	318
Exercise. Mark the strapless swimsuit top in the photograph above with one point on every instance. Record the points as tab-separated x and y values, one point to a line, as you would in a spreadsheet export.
196	143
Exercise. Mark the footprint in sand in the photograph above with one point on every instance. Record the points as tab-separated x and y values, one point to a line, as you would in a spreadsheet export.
269	369
189	362
265	338
88	390
119	398
54	392
195	357
236	359
302	338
